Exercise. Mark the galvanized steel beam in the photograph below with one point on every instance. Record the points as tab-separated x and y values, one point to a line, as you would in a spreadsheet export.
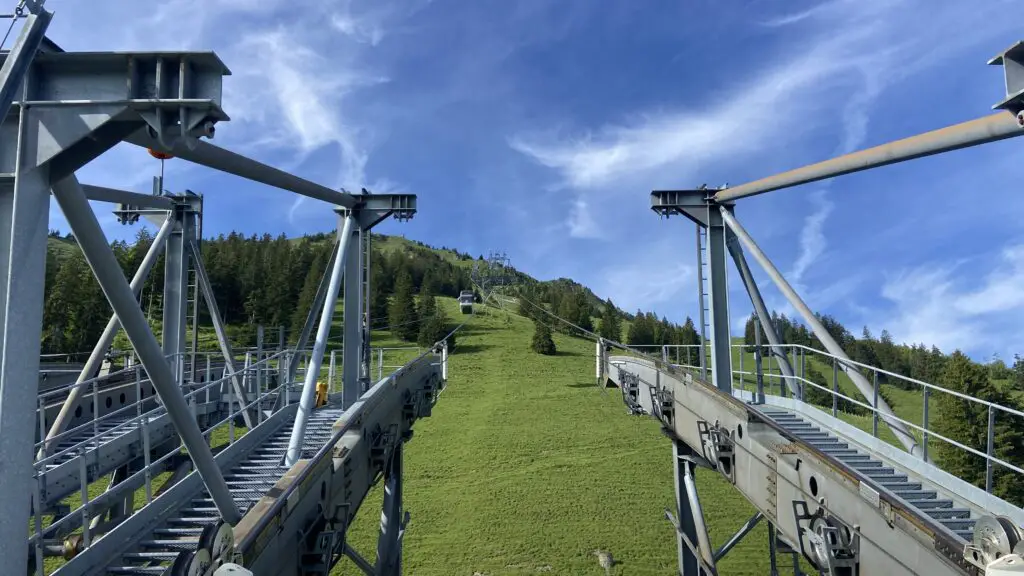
865	388
92	364
17	61
113	195
323	332
992	128
211	156
98	254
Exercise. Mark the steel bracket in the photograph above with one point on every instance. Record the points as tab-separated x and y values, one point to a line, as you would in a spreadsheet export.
827	542
718	448
1012	61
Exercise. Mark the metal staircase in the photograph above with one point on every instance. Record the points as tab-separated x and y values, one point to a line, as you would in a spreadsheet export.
173	542
911	489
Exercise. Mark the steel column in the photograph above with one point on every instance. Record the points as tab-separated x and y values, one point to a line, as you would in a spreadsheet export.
98	254
21	55
24	213
107	338
721	342
392	519
700	306
762	312
175	302
311	316
352	380
901	432
221	330
308	398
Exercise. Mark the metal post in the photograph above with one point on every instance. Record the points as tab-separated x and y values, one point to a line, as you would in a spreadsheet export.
259	356
444	361
758	375
721	342
352	353
924	424
760	309
772	544
803	371
92	365
21	55
307	326
221	330
700	306
24	209
743	377
365	353
989	448
835	388
898	429
392	522
380	364
686	530
331	369
195	294
703	542
146	459
874	413
307	399
175	302
87	231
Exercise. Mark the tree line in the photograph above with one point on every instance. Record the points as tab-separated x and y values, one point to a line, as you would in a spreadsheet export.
258	280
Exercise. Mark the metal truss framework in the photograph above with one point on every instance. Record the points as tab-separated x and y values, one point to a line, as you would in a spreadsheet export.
68	109
720	427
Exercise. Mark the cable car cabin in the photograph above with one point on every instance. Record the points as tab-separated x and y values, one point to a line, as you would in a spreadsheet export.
466	301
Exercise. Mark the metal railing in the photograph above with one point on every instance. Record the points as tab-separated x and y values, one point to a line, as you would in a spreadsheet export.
801	357
141	422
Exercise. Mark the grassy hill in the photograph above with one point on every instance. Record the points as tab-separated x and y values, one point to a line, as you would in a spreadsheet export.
526	467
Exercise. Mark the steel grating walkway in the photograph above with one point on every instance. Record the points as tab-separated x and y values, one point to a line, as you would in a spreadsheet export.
248	481
912	490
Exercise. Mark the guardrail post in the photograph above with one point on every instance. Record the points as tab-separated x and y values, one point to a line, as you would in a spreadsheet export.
835	388
380	364
758	375
874	403
444	361
989	448
924	424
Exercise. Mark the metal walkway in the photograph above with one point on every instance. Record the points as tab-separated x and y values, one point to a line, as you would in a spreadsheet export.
912	489
178	534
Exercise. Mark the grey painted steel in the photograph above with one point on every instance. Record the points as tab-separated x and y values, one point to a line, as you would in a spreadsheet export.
311	316
218	326
306	401
898	429
686	531
113	195
762	313
718	271
739	535
352	383
218	158
904	528
703	542
991	128
87	231
392	521
700	303
175	297
107	338
24	212
18	60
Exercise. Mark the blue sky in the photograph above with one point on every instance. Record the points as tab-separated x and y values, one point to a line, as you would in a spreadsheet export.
540	127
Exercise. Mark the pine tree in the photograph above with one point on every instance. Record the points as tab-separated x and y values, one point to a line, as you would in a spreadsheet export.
402	310
542	342
961	420
433	327
611	324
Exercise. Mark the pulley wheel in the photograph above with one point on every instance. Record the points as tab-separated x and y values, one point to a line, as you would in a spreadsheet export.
218	539
191	563
995	537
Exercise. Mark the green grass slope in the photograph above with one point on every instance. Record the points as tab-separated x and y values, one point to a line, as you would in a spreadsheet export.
526	467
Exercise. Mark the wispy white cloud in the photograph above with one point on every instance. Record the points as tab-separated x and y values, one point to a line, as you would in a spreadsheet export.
931	306
812	236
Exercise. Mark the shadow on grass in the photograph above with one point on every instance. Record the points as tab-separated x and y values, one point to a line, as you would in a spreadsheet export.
461	349
583	385
568	353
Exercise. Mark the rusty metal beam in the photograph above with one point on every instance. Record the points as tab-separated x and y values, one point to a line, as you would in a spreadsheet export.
991	128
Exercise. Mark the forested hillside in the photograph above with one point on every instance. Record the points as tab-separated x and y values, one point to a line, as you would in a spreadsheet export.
272	282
